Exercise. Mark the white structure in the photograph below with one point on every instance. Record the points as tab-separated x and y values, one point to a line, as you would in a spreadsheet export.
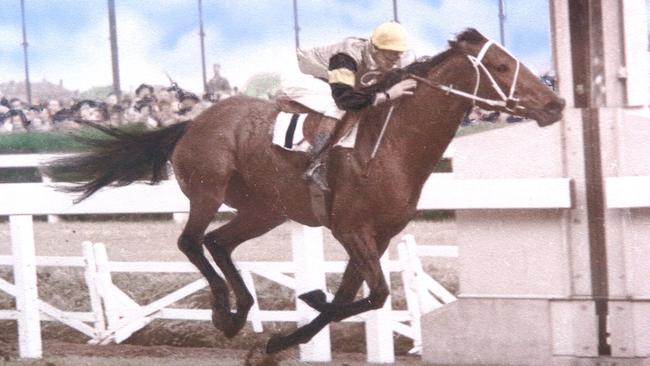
563	286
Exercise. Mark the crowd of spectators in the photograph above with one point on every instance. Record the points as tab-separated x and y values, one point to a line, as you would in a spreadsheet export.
152	106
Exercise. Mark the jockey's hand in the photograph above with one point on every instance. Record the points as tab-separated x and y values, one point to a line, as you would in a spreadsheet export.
404	87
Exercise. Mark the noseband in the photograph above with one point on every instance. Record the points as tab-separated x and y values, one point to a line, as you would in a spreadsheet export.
508	102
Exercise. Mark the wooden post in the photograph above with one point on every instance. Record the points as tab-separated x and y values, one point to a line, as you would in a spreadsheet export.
379	327
28	85
90	272
104	285
254	314
310	275
52	219
115	63
410	285
29	325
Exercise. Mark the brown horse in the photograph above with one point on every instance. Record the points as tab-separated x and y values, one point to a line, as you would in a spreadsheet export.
225	156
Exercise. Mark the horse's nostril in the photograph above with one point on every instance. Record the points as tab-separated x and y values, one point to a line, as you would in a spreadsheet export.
556	105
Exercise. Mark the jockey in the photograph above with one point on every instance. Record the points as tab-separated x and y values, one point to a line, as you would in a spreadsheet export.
347	67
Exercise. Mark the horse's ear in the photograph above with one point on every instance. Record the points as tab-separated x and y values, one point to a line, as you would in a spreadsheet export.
457	44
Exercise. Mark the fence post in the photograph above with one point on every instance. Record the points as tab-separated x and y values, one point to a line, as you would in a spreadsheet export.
180	217
254	314
411	289
24	255
104	285
91	282
51	219
379	326
308	255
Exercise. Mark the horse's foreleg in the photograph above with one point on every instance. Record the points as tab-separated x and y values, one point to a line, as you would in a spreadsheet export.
365	253
221	242
360	267
350	284
302	335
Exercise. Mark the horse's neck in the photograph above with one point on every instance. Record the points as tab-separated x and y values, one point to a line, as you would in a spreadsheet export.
425	124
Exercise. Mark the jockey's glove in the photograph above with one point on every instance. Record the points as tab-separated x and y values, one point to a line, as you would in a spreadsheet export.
404	87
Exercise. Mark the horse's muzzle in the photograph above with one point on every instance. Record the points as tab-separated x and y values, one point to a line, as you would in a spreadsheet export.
551	113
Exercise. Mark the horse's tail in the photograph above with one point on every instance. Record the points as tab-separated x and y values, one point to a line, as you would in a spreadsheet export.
120	157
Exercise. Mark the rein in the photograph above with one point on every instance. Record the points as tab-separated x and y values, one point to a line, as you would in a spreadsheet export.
508	102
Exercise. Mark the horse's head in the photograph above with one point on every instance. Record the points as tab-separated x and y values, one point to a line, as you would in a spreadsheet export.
505	84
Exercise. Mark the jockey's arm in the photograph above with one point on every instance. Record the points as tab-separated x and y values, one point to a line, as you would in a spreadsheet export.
342	79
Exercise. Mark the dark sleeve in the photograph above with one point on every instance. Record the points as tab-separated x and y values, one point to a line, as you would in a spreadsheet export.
342	71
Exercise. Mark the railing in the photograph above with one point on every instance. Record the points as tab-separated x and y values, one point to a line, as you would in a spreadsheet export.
22	200
114	316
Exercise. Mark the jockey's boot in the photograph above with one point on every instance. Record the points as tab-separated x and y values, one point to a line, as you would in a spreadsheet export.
317	169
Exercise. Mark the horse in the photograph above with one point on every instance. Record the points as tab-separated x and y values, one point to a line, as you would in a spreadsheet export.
225	156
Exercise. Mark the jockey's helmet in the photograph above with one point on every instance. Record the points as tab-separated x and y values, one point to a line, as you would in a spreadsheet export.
390	36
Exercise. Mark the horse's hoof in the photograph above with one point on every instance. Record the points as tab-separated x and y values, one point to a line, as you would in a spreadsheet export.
317	300
226	324
313	297
231	326
230	332
275	344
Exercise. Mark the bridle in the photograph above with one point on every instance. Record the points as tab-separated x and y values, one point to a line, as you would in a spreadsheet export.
507	102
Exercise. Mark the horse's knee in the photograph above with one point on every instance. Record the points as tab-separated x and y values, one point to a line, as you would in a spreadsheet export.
187	245
216	245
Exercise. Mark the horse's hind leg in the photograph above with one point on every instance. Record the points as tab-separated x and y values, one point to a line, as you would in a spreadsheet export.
220	243
202	211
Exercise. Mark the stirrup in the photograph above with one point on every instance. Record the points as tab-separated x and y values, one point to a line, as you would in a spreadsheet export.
314	174
311	169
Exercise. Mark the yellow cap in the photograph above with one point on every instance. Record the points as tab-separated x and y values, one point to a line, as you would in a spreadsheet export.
390	36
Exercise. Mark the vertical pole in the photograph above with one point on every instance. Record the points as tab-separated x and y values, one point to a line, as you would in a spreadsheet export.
28	85
24	256
296	28
309	258
202	37
90	274
104	286
112	29
379	326
395	18
502	21
587	48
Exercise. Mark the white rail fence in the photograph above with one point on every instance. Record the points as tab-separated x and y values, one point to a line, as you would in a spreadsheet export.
121	317
114	316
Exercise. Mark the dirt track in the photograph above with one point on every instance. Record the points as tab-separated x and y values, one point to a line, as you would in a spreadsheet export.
66	354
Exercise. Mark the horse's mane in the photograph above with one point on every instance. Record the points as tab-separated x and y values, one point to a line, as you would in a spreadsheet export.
423	65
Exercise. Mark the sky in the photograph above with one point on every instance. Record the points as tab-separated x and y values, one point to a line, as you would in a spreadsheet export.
69	39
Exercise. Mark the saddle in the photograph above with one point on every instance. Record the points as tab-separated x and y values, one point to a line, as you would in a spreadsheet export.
314	123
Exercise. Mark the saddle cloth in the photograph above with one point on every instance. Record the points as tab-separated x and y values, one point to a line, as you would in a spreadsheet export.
287	133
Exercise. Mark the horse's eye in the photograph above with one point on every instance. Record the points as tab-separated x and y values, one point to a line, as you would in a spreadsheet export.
502	68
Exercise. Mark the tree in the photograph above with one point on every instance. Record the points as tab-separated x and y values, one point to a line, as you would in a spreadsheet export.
262	85
96	92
